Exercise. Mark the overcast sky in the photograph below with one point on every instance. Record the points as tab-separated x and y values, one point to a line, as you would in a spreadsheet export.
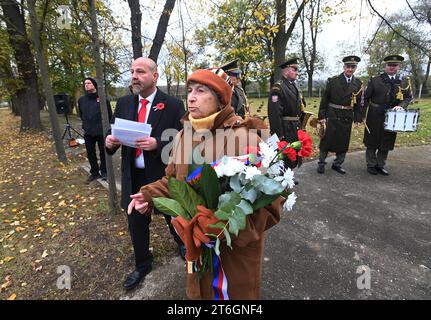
336	39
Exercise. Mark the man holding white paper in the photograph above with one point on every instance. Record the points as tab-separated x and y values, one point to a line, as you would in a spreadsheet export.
143	164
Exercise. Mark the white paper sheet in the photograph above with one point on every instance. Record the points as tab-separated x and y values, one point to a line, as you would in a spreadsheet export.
129	131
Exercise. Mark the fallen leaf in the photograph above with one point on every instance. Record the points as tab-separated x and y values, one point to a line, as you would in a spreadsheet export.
23	251
8	258
45	254
12	297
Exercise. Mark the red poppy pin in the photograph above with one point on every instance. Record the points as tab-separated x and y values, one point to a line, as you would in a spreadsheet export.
159	106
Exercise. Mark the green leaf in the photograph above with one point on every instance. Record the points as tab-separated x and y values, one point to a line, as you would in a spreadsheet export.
219	225
210	186
217	247
267	185
245	207
234	183
233	226
228	238
228	201
170	207
185	195
249	195
222	215
264	200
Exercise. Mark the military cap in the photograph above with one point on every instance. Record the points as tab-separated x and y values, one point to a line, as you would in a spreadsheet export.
393	58
351	60
231	68
293	62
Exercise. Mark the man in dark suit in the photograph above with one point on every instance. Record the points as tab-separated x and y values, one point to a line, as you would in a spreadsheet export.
339	107
144	164
285	105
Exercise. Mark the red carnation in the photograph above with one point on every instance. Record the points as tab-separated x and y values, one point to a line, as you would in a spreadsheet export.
307	144
290	153
281	144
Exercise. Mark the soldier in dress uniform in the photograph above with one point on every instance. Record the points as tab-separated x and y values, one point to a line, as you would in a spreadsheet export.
339	108
239	99
286	106
383	92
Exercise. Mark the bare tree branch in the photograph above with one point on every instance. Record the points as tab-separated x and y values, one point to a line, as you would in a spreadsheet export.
413	11
393	29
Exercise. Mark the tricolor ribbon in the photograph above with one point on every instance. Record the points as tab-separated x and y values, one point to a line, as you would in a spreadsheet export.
219	277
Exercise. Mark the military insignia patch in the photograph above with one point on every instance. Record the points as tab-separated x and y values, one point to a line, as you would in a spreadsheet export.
274	98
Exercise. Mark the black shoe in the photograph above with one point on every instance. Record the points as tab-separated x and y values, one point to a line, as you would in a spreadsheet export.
372	170
382	171
104	176
182	251
92	177
296	182
321	168
134	278
338	169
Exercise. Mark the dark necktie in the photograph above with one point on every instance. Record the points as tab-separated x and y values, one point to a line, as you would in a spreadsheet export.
142	114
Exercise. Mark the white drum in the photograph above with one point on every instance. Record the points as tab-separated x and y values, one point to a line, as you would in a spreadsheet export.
402	121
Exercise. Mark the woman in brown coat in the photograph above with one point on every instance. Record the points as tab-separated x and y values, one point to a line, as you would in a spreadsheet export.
211	131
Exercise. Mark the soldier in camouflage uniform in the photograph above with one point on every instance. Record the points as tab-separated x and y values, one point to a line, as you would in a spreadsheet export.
383	92
339	107
286	106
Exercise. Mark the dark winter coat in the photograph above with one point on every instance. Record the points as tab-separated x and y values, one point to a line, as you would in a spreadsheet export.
379	96
339	121
91	115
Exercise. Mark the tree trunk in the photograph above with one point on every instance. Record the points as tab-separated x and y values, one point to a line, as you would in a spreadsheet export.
135	22
61	154
161	30
30	111
6	73
310	84
283	35
427	74
113	202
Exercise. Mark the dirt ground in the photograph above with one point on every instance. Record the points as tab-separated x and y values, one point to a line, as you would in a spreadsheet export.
52	222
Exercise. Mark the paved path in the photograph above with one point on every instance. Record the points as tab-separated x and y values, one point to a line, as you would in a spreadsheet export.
339	224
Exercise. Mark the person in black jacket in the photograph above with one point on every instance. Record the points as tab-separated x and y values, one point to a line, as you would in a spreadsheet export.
90	113
143	165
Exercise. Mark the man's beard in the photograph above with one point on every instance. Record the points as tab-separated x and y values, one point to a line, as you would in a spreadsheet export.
136	88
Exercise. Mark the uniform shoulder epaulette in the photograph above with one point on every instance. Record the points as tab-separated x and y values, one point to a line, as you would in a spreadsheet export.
276	86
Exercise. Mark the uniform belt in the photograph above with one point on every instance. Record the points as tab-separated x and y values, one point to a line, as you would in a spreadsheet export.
337	106
290	118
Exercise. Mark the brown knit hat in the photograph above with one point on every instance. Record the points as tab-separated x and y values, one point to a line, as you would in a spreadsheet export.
216	79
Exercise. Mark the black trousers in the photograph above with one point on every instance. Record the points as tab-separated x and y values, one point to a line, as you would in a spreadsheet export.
376	157
90	145
338	161
139	226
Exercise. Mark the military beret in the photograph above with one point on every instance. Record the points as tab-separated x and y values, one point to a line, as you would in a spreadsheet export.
293	62
351	60
394	58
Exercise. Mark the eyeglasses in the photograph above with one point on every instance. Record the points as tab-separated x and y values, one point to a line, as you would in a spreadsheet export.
392	64
350	66
294	68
